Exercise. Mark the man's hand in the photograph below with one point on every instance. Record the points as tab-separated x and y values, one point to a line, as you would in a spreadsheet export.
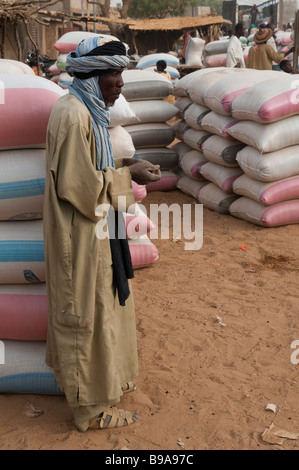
144	172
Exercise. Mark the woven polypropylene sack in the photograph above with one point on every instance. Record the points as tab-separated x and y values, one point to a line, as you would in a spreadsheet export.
267	194
22	252
267	137
151	135
22	184
121	142
220	96
271	166
191	164
23	312
190	186
222	151
214	198
26	102
269	101
145	85
25	370
220	175
283	213
8	66
166	157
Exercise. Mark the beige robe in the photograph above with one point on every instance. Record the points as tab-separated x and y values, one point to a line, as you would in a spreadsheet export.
91	339
260	57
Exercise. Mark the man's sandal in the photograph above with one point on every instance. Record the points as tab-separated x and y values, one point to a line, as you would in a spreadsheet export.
129	387
114	418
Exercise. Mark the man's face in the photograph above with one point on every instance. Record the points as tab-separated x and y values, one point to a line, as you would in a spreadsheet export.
111	85
288	68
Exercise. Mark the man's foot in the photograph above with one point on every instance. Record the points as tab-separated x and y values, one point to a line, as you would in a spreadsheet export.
114	418
129	387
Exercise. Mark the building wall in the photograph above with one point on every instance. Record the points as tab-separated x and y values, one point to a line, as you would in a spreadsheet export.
197	11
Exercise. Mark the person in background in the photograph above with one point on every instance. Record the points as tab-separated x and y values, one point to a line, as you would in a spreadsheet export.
253	14
271	42
91	342
235	57
261	55
161	67
286	66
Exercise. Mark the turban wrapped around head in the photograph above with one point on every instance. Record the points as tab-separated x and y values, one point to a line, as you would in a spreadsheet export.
95	56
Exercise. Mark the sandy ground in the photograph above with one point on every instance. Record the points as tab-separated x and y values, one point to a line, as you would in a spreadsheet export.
203	384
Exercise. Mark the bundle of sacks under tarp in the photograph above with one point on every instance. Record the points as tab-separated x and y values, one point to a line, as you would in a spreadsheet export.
152	135
26	105
244	126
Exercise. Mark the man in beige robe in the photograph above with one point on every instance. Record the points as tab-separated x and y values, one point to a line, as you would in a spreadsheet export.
91	337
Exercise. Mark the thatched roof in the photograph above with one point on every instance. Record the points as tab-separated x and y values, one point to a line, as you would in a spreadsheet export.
174	23
166	24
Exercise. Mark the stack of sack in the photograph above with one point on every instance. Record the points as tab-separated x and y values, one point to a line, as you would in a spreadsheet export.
269	126
24	114
146	90
215	52
243	111
26	105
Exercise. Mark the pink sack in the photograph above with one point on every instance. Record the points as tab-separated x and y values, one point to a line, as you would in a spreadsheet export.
25	110
143	252
167	182
23	312
137	225
139	191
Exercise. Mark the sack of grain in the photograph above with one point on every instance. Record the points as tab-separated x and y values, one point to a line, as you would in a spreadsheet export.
25	110
195	139
121	142
182	103
220	175
121	114
23	312
68	42
8	66
22	184
190	186
150	60
166	157
167	182
139	191
214	198
151	111
145	85
197	88
222	151
267	193
25	370
138	224
143	252
220	96
181	87
283	213
217	47
267	137
194	52
216	60
22	252
191	163
194	114
271	166
151	135
180	127
65	80
218	124
269	101
181	149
